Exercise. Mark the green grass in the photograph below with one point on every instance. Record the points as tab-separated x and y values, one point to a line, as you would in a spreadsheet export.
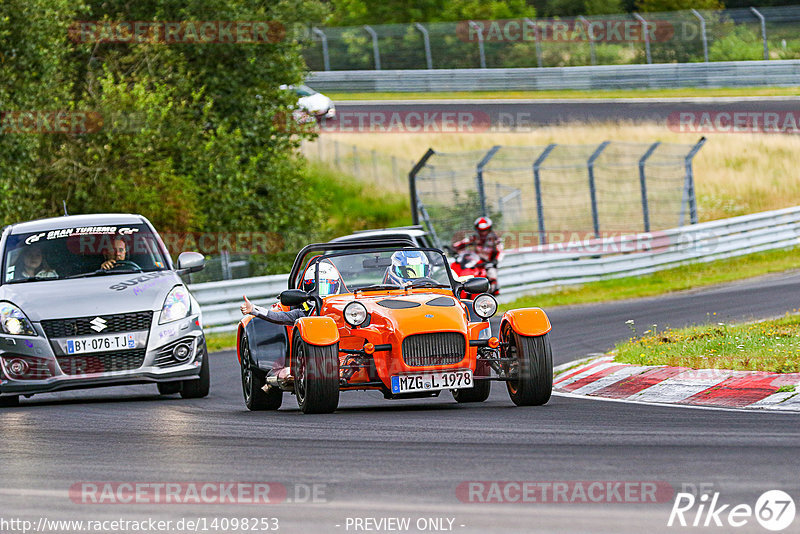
349	205
221	341
677	279
617	93
772	346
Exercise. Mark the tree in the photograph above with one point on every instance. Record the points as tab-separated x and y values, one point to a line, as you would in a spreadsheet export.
676	5
358	12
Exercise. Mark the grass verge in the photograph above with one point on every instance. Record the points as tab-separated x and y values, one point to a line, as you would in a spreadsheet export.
570	94
349	205
221	341
677	279
772	346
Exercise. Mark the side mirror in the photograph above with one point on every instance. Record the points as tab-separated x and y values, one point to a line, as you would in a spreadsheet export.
476	285
191	262
293	297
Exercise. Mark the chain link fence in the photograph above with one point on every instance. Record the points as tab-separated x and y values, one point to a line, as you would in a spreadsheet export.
630	38
387	172
541	194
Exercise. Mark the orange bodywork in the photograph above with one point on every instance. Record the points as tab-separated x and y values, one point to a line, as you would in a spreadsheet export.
527	321
390	326
320	331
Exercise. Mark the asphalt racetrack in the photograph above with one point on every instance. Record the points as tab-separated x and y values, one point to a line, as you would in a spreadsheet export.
511	115
375	460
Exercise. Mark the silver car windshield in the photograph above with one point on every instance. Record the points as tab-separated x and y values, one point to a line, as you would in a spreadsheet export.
379	268
80	252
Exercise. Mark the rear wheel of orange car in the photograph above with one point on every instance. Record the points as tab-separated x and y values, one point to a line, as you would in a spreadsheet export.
253	381
479	392
532	364
316	376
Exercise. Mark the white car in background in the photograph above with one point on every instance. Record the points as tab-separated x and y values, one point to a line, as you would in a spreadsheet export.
311	104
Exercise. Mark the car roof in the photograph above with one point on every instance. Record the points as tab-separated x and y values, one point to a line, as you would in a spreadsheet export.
67	221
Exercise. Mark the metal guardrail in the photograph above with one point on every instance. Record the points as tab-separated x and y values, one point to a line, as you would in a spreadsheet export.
533	269
655	76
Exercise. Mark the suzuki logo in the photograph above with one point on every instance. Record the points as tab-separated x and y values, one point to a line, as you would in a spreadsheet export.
98	324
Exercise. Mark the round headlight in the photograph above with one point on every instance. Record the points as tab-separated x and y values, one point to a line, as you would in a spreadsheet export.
485	306
181	352
355	314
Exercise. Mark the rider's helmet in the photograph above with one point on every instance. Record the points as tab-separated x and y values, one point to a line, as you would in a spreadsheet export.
408	265
483	225
330	281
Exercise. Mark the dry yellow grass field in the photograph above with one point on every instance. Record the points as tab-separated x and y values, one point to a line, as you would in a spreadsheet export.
735	174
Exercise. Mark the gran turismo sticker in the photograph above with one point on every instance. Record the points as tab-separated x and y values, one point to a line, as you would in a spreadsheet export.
130	282
80	230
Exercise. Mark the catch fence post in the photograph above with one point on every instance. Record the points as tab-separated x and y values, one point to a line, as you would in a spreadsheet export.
412	184
479	177
592	188
643	184
537	184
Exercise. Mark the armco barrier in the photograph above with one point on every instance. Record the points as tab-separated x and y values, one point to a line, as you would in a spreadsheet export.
655	76
529	270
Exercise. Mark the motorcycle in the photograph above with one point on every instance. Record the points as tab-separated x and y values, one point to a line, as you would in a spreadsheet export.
469	265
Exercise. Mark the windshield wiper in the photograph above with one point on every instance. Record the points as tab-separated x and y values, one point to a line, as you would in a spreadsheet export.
24	280
101	272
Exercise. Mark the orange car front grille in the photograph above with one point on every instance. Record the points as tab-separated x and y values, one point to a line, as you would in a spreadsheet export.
441	348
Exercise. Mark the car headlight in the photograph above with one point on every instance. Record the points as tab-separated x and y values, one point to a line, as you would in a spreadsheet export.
485	305
14	322
355	314
176	306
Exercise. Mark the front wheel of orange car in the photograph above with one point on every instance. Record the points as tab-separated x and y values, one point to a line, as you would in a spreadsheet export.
531	365
253	382
316	377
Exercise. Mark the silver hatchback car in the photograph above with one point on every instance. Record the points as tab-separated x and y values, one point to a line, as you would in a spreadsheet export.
94	300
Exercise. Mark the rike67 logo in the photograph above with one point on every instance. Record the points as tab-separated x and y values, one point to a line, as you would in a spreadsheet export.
774	510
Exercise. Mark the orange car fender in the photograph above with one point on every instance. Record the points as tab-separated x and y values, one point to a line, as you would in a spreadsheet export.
527	321
319	331
239	332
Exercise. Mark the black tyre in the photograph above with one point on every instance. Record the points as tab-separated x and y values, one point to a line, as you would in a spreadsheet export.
316	376
195	389
253	380
480	390
169	388
534	362
9	402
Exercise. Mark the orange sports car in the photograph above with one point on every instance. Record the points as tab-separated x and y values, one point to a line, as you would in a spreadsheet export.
386	316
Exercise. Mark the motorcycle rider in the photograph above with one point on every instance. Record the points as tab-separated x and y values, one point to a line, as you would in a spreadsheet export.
330	283
488	246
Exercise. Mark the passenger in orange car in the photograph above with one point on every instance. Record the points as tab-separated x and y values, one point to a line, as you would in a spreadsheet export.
330	283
